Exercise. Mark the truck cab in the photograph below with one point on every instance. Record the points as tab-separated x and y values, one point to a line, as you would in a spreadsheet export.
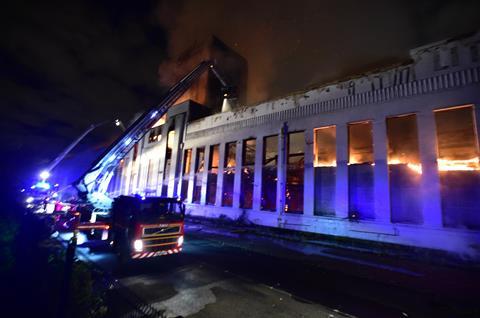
147	227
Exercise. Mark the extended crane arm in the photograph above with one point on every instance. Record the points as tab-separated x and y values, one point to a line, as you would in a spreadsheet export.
93	183
67	150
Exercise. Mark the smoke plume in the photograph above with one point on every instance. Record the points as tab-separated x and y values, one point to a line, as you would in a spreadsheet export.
293	44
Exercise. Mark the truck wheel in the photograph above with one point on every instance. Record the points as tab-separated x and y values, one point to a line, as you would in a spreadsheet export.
90	235
123	252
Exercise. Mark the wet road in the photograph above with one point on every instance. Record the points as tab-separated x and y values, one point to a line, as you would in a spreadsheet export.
217	276
207	280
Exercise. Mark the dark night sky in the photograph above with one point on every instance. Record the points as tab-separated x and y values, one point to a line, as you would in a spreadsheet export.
67	64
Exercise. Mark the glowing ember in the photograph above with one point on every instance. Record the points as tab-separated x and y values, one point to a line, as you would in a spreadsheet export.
458	165
417	167
326	164
444	165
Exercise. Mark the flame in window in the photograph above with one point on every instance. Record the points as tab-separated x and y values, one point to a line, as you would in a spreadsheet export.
458	165
332	163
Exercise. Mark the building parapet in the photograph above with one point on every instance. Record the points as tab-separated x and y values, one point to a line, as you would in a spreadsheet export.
435	67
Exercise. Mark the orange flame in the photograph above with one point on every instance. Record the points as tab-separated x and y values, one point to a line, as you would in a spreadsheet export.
332	163
458	165
417	167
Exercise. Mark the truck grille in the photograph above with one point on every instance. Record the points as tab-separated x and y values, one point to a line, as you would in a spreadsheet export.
159	241
153	231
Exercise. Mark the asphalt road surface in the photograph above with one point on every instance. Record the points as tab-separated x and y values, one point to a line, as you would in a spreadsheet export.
219	276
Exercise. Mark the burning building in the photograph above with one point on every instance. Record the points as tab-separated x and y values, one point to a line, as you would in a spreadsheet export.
389	156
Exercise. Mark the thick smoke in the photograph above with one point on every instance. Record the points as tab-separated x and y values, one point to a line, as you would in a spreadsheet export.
290	45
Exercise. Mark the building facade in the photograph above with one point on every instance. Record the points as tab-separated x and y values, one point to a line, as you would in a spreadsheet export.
390	156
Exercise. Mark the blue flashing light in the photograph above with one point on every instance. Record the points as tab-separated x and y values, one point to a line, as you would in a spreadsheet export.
42	185
44	175
128	141
111	158
155	113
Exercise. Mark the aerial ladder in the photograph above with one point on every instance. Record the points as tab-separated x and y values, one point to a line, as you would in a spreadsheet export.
92	185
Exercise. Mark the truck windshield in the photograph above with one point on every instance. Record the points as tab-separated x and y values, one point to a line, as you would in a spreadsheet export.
161	209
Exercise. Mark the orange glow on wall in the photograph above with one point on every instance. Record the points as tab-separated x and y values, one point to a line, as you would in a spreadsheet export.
161	121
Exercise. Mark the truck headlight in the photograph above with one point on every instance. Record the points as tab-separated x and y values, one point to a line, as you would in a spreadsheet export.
138	245
180	241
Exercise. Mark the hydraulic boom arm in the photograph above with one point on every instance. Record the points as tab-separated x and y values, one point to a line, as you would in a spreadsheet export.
92	185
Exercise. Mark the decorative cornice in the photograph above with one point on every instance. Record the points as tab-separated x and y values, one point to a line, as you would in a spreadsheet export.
437	83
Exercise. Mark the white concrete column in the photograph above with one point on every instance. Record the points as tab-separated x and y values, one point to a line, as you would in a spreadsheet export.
221	163
476	113
204	177
309	175
155	155
179	177
127	186
191	176
381	183
176	156
137	168
341	180
123	172
257	185
282	168
139	183
238	175
119	178
178	188
427	136
162	150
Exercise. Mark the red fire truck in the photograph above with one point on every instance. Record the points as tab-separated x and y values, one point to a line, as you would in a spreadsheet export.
146	227
135	227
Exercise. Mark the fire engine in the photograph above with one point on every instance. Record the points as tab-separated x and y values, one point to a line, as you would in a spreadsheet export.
147	227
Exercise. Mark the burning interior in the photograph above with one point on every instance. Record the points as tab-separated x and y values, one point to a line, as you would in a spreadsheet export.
458	166
325	166
361	203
